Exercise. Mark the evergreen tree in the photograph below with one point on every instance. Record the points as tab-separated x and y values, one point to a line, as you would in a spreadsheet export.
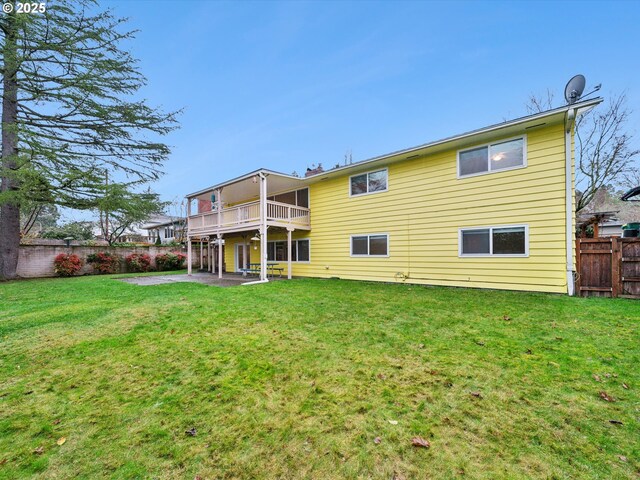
69	113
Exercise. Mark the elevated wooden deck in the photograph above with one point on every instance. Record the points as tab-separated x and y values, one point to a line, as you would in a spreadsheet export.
246	216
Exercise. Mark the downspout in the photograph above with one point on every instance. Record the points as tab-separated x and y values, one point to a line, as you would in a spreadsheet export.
569	213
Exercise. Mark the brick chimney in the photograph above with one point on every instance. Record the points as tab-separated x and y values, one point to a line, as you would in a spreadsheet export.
314	171
204	206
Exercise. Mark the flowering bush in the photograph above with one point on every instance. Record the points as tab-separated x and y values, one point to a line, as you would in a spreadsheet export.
104	262
67	264
138	262
171	261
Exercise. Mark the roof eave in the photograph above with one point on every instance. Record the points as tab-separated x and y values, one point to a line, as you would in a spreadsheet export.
579	106
584	105
240	179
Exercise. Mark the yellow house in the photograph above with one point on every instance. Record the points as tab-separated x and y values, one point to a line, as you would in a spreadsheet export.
491	208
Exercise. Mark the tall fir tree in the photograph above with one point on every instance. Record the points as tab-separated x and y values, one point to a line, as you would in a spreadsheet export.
70	113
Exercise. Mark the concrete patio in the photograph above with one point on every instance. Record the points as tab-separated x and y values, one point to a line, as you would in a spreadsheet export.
227	280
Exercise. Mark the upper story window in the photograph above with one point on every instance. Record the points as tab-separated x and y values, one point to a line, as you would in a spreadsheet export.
299	198
369	182
493	157
508	241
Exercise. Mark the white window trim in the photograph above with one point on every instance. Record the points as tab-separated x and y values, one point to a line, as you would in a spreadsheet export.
386	170
351	254
488	145
492	255
292	241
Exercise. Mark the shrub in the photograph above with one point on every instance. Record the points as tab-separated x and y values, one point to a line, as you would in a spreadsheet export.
67	264
170	261
138	262
104	262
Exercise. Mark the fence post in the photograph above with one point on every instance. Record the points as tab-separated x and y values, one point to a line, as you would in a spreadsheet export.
578	292
616	259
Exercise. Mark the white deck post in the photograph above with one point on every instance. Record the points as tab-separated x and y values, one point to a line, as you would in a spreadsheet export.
188	213
289	230
220	258
209	254
188	237
219	207
201	254
219	239
244	254
263	227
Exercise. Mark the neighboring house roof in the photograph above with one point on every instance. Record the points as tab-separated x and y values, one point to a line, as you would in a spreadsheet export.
510	127
167	221
589	218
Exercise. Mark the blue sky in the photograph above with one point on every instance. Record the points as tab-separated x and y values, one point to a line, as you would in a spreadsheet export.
285	85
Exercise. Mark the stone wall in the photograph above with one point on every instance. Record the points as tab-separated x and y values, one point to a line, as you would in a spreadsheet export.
36	255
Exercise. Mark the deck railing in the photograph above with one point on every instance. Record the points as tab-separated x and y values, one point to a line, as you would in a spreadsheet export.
248	213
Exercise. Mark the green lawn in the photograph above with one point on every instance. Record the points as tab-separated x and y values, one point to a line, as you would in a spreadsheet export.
296	379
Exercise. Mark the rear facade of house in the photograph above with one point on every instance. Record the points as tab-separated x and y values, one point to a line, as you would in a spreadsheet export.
491	208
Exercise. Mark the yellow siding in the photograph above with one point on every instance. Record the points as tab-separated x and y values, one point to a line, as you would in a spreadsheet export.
424	208
422	211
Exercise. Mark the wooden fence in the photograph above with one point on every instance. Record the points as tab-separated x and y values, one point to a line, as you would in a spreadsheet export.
608	267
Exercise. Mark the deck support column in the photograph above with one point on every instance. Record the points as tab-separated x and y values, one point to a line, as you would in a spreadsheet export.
201	254
220	258
263	227
244	255
188	237
209	255
289	231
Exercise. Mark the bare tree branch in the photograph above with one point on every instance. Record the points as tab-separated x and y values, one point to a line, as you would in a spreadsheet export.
604	149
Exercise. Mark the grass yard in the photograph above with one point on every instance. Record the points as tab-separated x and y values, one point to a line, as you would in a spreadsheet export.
297	379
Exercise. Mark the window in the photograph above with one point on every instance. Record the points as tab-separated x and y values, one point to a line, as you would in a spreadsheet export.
492	158
369	182
370	245
302	252
495	241
289	198
299	198
302	197
277	251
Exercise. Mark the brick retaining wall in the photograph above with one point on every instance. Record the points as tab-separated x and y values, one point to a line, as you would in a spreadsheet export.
36	257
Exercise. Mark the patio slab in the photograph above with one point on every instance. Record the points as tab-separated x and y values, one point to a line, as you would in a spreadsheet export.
203	278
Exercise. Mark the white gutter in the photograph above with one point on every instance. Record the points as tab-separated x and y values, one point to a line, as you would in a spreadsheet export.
569	213
463	136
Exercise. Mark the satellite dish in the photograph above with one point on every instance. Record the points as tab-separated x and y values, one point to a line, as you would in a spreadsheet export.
573	90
